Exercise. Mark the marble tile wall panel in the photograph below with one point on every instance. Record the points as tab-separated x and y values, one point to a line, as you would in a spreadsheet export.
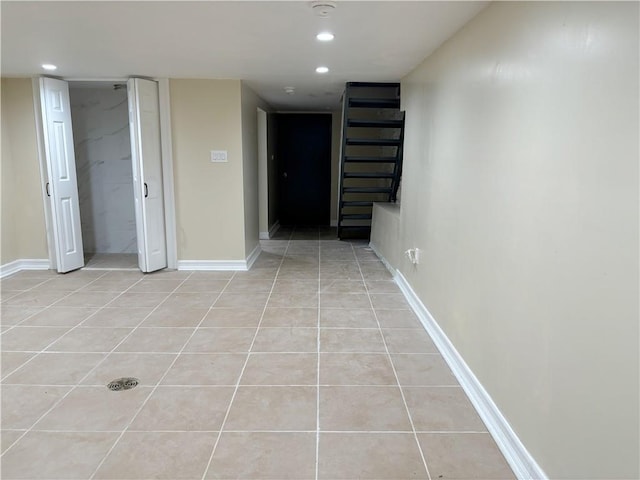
103	162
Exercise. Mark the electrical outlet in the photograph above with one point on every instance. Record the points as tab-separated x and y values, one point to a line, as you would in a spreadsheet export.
218	156
413	254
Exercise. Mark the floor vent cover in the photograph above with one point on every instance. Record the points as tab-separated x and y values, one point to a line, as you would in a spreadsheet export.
125	383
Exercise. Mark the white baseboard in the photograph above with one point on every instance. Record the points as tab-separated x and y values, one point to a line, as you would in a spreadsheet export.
519	459
274	228
212	265
23	264
221	265
267	235
253	256
382	259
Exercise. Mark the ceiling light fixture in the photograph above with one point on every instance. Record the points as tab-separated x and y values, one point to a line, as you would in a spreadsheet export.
322	70
49	66
325	36
290	90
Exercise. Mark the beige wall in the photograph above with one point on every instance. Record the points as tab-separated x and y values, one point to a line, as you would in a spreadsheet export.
521	188
205	116
22	222
215	220
250	103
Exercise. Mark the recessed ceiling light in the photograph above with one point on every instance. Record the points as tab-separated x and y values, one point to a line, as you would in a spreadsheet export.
322	69
49	66
325	36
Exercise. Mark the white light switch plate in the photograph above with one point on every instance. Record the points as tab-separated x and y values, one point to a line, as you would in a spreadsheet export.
218	156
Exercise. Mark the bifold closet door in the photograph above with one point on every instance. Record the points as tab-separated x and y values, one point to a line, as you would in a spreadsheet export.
146	156
62	185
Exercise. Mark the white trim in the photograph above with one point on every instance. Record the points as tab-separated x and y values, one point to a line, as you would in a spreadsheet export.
520	460
263	170
333	223
216	265
44	171
274	228
167	172
384	261
212	265
253	256
23	264
272	231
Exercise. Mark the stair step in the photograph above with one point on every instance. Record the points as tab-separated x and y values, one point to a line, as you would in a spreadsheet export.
366	190
370	159
356	216
374	142
357	102
367	175
355	122
373	84
356	203
354	231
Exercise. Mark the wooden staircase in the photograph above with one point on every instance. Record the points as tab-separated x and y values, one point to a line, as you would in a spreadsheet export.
371	153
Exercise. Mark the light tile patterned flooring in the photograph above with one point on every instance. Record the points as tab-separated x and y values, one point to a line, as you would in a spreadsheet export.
111	260
311	365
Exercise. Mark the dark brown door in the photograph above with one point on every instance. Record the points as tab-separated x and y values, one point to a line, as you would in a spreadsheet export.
304	167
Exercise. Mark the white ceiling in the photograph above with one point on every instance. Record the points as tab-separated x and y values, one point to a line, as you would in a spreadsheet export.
268	44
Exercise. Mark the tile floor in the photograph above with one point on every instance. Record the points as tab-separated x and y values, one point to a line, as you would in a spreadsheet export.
308	366
111	260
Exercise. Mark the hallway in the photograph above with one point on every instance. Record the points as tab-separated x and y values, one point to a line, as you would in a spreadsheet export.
309	366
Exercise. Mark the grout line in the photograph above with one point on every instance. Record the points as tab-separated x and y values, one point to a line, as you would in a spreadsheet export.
329	327
395	373
225	385
174	352
318	372
246	361
351	432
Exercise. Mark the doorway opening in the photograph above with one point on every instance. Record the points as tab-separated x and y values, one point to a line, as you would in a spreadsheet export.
304	167
144	168
102	141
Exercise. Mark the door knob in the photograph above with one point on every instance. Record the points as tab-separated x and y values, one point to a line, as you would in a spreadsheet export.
285	175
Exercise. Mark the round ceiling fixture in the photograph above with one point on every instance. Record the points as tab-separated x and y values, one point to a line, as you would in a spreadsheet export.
290	90
323	8
49	66
322	70
325	36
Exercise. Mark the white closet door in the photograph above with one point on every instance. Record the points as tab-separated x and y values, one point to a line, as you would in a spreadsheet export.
62	187
144	118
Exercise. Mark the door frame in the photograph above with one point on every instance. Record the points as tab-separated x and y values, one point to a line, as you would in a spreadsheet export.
167	164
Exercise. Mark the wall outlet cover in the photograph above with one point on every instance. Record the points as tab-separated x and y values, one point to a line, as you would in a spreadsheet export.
218	156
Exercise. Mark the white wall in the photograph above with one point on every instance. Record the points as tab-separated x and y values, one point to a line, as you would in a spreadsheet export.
521	188
103	165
